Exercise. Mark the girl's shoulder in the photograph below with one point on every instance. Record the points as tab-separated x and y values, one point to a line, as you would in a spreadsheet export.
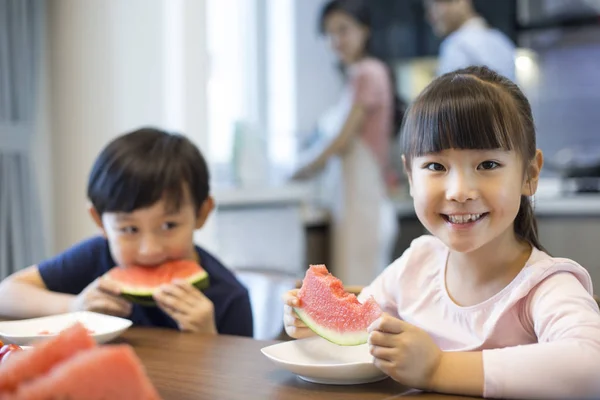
426	255
541	266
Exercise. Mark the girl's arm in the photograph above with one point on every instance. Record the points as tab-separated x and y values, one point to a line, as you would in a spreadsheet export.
565	363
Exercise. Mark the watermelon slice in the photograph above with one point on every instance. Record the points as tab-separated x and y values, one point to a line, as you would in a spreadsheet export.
139	283
332	313
26	365
107	372
71	366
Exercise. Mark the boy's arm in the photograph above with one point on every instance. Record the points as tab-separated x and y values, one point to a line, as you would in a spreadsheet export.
237	320
24	295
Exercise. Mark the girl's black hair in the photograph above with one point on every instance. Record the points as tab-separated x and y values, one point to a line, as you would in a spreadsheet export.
138	169
474	108
360	11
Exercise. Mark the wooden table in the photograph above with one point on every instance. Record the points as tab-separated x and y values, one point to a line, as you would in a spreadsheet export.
186	366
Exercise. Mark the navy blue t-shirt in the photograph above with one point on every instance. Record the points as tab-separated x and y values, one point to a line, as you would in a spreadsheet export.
73	270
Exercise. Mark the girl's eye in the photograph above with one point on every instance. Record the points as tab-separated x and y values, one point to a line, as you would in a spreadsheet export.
434	167
489	165
128	230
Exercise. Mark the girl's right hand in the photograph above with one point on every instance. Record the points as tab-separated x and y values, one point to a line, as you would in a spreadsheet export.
102	296
293	325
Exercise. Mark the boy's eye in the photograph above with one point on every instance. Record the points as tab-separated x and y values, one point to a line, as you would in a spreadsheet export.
169	225
489	165
434	167
129	230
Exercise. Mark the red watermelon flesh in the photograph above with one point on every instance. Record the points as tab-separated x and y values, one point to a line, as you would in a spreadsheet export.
138	283
331	312
26	365
107	372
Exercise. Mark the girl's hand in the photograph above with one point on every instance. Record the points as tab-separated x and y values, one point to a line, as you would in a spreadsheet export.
293	325
404	352
188	306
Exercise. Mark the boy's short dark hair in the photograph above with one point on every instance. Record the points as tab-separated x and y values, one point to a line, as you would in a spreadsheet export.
140	168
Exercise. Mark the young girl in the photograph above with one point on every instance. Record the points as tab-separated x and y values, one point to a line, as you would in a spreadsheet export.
479	308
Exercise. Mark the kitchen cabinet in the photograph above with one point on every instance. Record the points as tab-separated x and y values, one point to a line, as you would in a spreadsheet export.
574	237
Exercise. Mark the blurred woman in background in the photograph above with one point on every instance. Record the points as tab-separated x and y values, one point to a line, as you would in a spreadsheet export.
355	156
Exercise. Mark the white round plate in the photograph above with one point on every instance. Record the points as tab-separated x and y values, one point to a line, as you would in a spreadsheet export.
320	361
104	328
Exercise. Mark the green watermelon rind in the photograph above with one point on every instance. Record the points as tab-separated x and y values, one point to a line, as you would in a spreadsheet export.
145	297
341	339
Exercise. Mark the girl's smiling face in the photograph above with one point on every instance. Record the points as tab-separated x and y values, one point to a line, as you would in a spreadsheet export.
469	198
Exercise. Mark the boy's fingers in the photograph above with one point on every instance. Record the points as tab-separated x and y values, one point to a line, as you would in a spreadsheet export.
106	306
108	286
180	295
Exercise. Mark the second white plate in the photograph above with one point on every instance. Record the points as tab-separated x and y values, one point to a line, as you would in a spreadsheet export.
320	361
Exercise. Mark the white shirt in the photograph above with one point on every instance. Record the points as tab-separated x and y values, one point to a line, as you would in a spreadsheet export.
474	43
540	335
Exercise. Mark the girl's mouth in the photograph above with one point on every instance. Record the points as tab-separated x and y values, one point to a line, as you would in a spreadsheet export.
464	219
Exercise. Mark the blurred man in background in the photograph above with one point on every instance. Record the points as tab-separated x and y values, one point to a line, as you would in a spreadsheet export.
468	39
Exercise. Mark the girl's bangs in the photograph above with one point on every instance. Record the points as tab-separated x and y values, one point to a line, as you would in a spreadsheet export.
463	113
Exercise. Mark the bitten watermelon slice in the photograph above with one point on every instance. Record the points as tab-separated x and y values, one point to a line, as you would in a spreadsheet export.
107	372
71	366
26	365
139	283
331	312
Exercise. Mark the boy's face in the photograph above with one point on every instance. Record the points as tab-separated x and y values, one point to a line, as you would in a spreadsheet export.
153	235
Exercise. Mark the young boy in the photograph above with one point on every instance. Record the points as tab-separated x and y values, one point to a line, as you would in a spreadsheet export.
149	192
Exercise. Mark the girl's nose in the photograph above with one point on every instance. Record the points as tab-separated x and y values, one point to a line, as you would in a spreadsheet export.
461	187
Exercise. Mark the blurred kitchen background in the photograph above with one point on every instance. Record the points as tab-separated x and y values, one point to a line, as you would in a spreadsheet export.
246	80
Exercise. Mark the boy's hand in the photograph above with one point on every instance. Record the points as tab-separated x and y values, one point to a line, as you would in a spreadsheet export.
188	306
102	296
404	352
293	325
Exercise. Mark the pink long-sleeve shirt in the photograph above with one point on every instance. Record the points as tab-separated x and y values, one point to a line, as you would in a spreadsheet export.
540	335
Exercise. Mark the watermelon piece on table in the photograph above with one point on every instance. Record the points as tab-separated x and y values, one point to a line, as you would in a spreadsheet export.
107	372
26	365
138	283
331	312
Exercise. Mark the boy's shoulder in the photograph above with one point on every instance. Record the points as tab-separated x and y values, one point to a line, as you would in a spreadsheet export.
217	271
95	248
73	269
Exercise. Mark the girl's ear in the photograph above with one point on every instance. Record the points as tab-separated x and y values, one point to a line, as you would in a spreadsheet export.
532	176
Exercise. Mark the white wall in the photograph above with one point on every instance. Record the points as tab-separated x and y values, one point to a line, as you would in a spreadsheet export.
114	66
318	81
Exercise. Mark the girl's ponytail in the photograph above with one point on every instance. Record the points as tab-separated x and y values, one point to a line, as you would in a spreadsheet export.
526	225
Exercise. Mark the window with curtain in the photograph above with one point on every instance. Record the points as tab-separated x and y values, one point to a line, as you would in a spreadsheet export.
21	24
